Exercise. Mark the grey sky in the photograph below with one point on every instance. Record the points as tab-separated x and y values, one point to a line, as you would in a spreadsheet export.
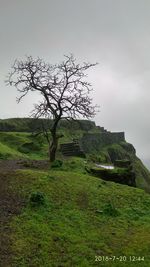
115	33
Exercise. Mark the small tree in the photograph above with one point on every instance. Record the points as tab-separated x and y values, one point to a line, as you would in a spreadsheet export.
64	91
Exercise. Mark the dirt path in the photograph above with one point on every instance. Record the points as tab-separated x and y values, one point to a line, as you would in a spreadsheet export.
11	165
10	203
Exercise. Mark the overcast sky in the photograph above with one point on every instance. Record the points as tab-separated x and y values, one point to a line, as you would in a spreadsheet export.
115	33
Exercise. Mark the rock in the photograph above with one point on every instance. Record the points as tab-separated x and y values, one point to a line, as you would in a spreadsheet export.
118	175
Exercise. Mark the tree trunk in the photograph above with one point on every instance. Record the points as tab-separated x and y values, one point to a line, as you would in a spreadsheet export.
54	143
53	148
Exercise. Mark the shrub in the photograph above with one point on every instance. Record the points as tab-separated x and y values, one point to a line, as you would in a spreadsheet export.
57	164
29	147
4	156
93	158
37	198
111	210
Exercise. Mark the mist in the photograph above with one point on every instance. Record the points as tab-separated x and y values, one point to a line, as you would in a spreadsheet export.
113	33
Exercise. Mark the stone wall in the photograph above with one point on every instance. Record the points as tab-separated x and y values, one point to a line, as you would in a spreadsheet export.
95	141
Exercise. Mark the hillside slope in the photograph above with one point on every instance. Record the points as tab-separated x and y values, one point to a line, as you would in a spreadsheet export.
61	216
75	219
22	144
124	150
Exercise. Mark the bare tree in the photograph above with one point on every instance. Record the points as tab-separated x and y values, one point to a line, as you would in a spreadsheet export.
64	90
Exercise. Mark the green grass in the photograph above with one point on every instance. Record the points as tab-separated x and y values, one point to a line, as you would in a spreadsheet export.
82	217
7	152
19	144
79	216
15	145
22	145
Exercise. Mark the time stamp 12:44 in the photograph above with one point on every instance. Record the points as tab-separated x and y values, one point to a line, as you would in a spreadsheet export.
119	258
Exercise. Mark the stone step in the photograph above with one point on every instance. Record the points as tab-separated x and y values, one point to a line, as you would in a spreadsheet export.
71	149
80	154
72	152
68	144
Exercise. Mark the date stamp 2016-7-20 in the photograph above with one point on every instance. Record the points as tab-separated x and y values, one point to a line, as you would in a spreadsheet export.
121	258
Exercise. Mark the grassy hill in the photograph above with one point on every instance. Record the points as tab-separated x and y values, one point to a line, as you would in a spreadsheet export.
64	216
77	217
15	145
20	144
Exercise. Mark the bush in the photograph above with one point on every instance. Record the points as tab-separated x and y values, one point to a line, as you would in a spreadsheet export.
29	147
93	158
37	198
4	156
111	210
57	164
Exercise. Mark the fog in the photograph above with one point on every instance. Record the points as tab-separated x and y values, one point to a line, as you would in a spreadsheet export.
114	33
